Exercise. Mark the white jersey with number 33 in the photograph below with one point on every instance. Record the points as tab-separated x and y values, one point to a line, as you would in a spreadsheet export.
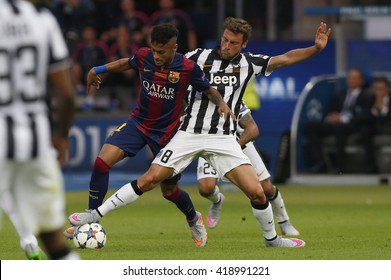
31	45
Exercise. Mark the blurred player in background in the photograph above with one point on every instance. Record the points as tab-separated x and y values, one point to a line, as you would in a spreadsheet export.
33	50
165	76
207	177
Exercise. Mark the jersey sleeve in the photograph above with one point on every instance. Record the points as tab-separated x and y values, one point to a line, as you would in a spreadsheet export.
192	54
244	110
260	63
198	79
133	61
139	56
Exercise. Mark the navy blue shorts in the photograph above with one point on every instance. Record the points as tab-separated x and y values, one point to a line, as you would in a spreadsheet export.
131	140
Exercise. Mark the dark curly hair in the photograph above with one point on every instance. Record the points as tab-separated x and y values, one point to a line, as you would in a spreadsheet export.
163	33
238	25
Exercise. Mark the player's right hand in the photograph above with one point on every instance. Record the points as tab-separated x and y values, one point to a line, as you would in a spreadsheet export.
93	80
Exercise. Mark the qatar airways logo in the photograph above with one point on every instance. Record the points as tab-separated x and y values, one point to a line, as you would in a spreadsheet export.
159	91
224	79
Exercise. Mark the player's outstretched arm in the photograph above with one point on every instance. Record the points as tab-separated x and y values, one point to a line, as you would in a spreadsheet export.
298	55
216	98
93	78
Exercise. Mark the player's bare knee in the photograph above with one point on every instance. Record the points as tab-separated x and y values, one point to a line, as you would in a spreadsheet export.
168	190
268	187
257	196
101	165
154	179
205	194
206	190
148	181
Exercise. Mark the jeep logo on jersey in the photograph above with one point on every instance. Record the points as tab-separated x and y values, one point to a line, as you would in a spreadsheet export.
159	91
224	79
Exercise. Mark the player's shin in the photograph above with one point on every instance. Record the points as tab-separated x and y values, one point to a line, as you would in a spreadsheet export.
278	207
182	200
264	215
98	184
124	196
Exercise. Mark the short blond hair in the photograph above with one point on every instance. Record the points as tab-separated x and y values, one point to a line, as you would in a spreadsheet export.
238	25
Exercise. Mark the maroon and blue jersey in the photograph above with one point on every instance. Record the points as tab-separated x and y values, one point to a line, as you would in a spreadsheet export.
163	91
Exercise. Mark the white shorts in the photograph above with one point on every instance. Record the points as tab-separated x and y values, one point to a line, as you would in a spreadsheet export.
221	151
37	192
251	151
205	170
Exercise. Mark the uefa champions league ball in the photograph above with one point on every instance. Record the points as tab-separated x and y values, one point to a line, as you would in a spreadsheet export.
90	236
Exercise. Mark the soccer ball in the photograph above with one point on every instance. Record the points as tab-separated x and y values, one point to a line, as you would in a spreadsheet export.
91	236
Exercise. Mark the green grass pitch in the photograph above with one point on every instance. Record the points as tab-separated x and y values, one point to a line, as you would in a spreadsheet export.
337	223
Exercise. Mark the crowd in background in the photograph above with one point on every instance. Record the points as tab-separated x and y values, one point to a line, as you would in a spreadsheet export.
98	32
101	31
95	34
359	113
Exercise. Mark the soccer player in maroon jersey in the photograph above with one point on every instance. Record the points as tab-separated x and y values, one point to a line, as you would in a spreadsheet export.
165	76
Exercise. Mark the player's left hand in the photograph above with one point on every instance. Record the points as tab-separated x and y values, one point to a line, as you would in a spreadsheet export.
322	36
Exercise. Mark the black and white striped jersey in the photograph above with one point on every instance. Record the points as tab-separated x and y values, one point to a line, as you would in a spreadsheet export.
230	78
31	46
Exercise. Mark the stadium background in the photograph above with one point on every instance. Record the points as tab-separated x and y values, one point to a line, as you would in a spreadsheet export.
360	38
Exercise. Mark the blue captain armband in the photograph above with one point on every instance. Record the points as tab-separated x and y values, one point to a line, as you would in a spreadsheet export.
100	69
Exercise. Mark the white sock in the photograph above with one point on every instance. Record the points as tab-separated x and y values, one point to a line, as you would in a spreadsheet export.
25	234
124	196
266	221
279	209
71	256
215	196
28	239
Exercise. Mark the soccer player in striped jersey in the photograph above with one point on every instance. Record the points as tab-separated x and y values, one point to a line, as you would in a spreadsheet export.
205	133
165	76
207	177
32	52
